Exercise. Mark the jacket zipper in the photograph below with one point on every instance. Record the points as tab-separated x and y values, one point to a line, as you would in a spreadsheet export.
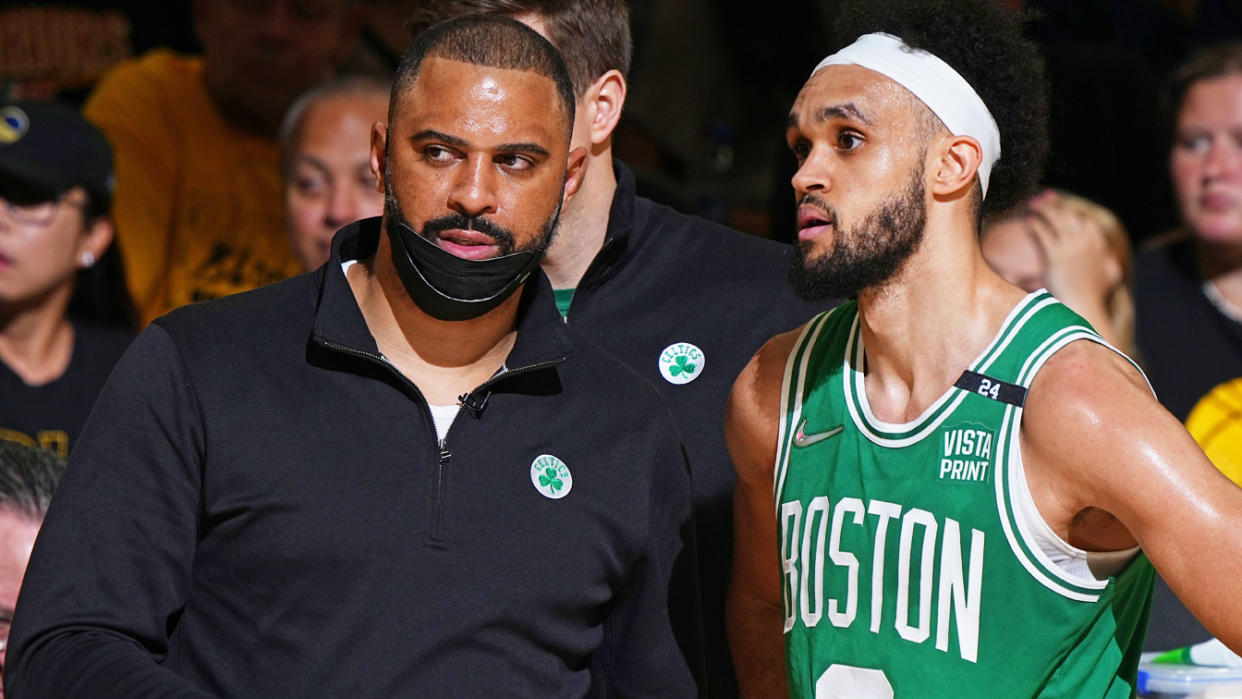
438	495
434	536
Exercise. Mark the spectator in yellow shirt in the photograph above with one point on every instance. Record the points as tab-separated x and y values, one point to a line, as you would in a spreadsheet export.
198	199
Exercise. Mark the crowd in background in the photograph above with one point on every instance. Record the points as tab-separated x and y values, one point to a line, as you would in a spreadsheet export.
239	138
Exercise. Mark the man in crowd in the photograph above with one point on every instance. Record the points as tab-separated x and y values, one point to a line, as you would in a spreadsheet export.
325	158
682	301
950	487
401	475
197	207
28	476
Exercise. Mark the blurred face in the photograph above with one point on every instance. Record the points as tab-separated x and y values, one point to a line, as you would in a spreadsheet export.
1206	161
328	181
260	54
859	187
1010	248
17	536
41	247
475	160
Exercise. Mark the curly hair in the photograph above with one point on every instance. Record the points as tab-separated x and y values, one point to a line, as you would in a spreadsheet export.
985	44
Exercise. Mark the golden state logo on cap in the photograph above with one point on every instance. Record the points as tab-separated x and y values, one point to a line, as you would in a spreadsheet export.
13	124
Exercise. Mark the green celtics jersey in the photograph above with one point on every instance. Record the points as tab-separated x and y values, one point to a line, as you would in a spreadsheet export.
913	560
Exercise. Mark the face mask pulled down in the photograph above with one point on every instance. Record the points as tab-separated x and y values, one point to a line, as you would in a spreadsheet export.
448	287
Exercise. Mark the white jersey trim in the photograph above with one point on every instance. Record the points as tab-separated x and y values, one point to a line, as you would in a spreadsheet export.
1089	570
867	422
806	341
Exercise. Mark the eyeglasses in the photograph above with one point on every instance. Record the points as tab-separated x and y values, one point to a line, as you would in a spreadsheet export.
36	213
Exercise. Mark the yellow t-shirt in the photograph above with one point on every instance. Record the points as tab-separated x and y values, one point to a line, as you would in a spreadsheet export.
198	206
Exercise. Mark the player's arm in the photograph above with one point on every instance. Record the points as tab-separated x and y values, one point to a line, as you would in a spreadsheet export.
1099	439
753	608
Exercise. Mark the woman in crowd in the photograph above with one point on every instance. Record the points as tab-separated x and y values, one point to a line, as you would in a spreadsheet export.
64	315
1077	250
1188	287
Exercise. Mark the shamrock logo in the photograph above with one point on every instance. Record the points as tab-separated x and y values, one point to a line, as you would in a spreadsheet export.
682	364
549	480
551	477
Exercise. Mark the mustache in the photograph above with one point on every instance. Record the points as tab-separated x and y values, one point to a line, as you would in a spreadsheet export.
503	236
809	199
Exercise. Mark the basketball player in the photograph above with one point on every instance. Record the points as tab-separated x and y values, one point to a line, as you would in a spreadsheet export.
970	486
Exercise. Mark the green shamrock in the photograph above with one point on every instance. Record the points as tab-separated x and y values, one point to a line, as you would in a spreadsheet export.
549	479
683	364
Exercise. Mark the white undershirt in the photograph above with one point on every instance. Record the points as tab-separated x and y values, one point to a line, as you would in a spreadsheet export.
443	416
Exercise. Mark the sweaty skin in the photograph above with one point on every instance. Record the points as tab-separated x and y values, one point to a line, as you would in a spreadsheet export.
1107	466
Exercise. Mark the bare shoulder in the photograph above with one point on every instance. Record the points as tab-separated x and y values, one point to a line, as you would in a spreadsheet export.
1096	436
752	414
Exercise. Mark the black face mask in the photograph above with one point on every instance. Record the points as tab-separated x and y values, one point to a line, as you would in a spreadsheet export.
448	287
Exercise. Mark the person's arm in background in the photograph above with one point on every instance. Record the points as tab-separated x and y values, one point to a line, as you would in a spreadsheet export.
111	568
129	106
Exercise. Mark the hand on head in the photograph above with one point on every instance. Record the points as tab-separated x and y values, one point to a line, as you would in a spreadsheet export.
1080	269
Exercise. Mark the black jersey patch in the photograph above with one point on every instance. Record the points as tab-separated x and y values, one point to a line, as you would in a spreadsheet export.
989	387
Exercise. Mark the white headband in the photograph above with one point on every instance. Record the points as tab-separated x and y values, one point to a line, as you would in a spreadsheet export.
935	83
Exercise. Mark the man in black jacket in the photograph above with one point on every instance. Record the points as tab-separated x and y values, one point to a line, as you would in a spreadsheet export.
400	475
683	301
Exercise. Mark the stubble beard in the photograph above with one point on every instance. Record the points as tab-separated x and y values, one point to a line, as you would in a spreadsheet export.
868	255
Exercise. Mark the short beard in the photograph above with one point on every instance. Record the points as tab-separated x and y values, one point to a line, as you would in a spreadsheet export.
867	255
503	236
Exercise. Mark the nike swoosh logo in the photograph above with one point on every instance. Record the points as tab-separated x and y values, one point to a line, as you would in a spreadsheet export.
802	439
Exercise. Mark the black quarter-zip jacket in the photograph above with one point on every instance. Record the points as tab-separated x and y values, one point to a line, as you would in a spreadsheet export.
259	506
664	280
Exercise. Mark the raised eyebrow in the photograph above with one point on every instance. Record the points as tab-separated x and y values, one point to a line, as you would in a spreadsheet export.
527	148
433	135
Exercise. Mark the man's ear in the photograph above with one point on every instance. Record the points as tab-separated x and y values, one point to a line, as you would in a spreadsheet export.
603	102
956	165
379	154
575	168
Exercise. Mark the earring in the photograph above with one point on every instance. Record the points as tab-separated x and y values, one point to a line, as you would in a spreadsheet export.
88	258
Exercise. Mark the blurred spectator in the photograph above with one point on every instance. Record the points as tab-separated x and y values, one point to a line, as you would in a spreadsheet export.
198	198
64	316
1188	288
1074	248
28	476
325	154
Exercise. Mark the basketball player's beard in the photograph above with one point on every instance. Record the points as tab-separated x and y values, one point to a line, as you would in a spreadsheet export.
867	255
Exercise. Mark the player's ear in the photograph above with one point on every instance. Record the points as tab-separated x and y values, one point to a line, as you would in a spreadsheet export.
957	162
379	153
603	102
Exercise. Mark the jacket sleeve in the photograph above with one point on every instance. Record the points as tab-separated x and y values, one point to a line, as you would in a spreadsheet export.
111	567
653	644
